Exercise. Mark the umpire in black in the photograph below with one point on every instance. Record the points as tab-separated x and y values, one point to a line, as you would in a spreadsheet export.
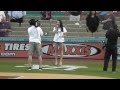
111	48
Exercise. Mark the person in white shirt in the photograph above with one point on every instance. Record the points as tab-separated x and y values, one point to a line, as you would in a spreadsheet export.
60	33
17	16
2	16
76	16
35	33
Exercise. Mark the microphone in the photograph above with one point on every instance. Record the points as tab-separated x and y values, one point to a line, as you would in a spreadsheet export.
56	27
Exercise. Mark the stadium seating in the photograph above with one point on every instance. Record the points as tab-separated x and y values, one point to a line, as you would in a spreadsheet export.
74	31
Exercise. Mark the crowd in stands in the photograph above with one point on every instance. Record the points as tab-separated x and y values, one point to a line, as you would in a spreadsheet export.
18	16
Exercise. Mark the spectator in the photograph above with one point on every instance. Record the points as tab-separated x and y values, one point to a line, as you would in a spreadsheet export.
109	21
2	16
5	28
46	15
92	21
17	16
7	16
75	16
102	15
116	13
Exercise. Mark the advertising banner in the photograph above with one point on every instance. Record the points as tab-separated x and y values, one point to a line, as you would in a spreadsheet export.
85	50
82	48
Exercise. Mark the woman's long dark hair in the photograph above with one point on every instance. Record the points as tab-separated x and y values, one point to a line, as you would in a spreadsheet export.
92	23
61	25
90	14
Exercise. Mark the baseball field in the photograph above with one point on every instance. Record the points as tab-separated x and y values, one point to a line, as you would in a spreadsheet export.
16	68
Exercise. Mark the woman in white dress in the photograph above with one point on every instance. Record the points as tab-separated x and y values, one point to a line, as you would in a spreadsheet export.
60	33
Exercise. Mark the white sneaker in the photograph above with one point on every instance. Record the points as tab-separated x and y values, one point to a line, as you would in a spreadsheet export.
60	63
56	63
29	68
77	23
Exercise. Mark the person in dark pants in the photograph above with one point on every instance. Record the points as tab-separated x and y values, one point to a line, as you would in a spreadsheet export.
111	48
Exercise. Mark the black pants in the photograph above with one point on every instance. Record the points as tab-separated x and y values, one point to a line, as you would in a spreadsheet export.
110	50
19	20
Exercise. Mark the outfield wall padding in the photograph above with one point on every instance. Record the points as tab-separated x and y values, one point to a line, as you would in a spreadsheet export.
82	48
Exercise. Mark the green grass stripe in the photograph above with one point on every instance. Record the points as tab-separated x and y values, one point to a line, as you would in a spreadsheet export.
94	69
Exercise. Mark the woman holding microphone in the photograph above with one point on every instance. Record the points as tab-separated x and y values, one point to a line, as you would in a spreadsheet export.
60	33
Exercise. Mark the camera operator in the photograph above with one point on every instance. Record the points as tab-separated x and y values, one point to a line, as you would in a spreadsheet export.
35	33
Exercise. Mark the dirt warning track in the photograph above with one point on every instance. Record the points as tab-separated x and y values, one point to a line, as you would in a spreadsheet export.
46	76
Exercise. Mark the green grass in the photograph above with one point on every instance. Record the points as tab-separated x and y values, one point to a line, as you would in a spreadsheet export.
94	69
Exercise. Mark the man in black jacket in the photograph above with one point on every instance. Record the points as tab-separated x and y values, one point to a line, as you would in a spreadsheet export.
111	48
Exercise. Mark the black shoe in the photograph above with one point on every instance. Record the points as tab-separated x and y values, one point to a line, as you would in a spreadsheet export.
113	71
29	68
40	68
104	71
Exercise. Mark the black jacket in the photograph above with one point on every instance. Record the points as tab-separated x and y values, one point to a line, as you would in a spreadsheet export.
75	13
112	37
92	23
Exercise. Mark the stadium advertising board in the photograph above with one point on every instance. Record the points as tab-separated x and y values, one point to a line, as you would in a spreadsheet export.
71	50
83	48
